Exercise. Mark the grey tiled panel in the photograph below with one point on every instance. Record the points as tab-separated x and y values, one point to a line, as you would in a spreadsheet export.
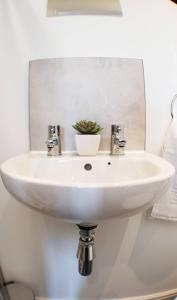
107	90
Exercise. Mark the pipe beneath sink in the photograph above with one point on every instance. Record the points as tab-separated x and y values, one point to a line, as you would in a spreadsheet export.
86	248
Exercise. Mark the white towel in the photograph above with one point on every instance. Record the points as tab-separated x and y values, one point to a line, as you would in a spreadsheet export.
166	207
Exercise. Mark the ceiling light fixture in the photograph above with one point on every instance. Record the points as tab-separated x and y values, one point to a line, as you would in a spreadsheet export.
87	7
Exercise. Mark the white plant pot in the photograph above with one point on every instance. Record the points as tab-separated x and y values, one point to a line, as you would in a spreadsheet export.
87	144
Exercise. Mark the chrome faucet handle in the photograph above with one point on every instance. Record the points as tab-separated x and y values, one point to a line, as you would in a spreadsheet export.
116	128
54	140
53	131
117	140
118	132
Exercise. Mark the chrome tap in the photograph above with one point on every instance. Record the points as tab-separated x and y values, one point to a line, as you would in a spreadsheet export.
54	141
117	140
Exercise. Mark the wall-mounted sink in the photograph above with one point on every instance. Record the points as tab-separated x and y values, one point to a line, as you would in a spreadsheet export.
87	189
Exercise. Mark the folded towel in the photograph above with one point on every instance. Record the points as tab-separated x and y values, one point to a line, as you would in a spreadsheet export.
166	207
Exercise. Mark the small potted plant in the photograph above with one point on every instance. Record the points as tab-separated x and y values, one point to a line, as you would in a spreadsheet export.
87	138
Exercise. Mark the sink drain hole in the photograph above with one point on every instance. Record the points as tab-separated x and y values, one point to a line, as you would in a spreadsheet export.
87	167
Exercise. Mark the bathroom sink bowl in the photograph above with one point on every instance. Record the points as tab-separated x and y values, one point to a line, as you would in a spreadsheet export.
87	189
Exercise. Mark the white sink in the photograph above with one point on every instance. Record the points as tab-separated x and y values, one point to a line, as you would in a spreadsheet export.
61	186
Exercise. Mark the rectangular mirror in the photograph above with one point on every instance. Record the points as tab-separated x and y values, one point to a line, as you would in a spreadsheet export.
100	7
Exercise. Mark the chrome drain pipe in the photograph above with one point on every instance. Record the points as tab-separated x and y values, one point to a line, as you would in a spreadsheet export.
86	248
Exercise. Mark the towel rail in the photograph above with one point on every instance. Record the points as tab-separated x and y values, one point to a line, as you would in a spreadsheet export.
172	105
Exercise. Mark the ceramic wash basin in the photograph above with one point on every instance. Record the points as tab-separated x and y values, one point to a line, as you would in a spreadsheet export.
87	189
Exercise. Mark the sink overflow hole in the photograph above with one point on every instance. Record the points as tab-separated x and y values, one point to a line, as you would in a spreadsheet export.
109	163
87	167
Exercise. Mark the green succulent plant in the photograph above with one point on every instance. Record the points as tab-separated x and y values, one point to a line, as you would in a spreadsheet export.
87	127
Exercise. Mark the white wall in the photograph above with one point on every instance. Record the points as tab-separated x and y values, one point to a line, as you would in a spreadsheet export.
134	256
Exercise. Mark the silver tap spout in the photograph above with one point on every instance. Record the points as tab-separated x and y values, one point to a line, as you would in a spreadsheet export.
54	141
117	140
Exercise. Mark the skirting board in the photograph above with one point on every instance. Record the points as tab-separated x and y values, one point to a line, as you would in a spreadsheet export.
156	296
